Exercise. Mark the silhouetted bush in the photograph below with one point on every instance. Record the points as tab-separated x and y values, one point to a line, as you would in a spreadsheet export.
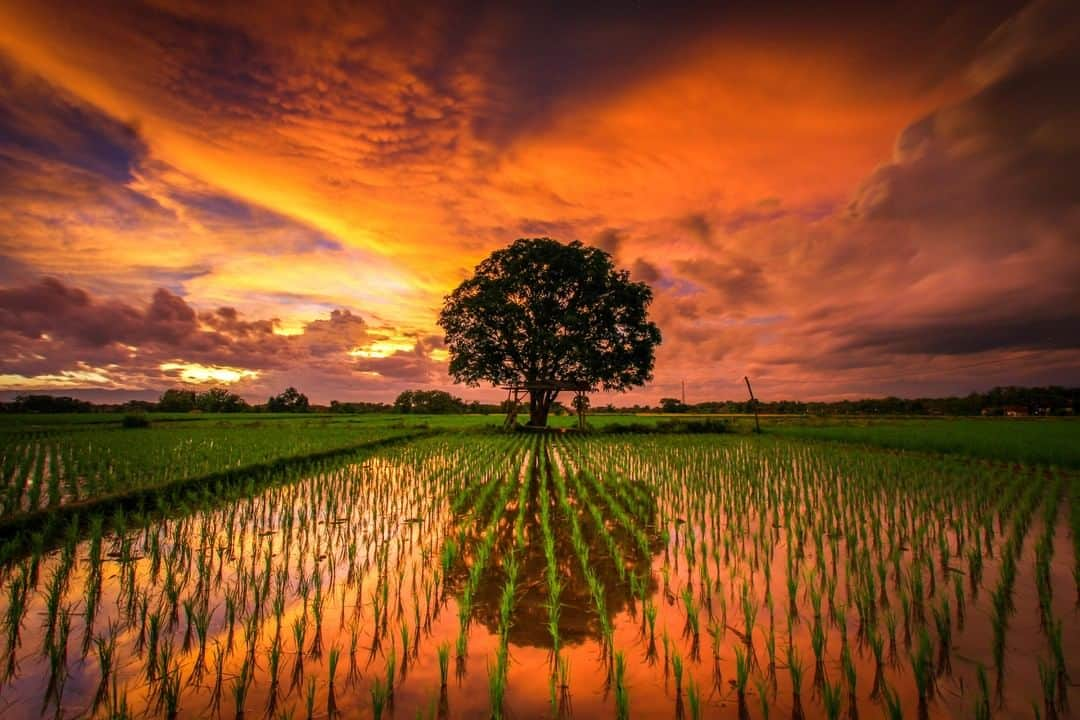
135	421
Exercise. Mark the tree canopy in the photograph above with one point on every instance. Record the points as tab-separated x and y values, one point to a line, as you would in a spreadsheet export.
544	311
673	405
292	400
215	399
428	402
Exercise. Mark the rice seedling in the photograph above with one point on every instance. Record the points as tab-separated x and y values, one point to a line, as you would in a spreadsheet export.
893	708
693	698
1057	651
497	683
943	622
832	698
1048	679
444	663
378	698
622	698
847	665
309	700
762	687
796	670
299	632
58	660
241	685
171	690
982	701
118	707
16	608
742	675
817	643
922	669
106	647
391	665
331	700
650	619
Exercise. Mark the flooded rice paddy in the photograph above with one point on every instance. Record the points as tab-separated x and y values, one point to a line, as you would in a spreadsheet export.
52	467
516	576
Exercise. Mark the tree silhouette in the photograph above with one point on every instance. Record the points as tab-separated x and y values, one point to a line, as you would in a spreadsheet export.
176	400
428	401
219	399
541	311
292	400
673	405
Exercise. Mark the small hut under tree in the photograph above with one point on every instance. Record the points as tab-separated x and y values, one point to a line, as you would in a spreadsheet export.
543	394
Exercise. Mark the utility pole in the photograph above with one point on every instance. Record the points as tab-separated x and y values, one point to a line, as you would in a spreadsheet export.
683	392
753	404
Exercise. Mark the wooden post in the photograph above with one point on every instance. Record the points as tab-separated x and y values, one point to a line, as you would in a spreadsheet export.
753	404
512	400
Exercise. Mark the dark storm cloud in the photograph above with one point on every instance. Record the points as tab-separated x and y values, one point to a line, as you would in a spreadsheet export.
1021	319
52	332
72	325
410	366
992	178
1008	150
554	55
227	320
35	120
51	307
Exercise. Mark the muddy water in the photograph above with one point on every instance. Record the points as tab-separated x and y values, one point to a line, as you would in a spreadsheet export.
351	558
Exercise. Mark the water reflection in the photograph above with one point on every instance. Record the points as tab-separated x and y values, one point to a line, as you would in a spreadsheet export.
578	619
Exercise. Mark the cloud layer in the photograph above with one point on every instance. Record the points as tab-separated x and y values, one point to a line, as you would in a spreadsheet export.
838	204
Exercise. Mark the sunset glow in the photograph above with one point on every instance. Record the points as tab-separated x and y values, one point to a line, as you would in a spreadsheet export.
381	349
202	374
837	203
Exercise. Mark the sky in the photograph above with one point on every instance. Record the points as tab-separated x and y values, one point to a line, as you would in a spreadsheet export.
836	199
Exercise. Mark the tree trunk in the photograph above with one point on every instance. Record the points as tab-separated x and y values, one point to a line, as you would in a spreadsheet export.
539	405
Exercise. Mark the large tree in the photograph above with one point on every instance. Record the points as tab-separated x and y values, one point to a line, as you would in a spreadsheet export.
541	311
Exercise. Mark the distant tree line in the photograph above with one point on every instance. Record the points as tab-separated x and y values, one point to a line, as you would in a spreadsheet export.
47	404
1053	400
354	408
174	400
221	400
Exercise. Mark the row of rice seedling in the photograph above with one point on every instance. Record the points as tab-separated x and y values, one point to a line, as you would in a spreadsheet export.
46	469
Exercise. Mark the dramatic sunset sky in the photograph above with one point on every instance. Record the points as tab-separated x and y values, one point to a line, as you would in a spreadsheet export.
840	199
